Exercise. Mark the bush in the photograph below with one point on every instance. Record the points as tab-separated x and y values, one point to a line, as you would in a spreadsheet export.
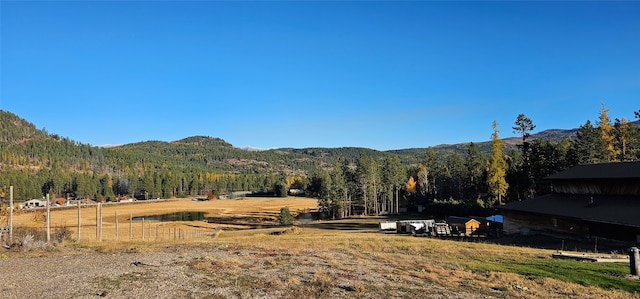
62	234
285	217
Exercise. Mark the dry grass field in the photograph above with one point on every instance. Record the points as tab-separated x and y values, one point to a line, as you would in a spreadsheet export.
253	258
228	214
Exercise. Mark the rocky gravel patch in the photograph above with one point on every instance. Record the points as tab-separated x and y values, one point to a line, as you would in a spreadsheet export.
213	271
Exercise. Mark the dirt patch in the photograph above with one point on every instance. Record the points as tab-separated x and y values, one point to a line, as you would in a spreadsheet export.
210	270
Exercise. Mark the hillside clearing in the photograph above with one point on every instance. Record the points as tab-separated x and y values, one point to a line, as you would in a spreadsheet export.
329	259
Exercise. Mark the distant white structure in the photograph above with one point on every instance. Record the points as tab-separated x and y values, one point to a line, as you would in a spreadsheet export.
388	226
296	192
34	203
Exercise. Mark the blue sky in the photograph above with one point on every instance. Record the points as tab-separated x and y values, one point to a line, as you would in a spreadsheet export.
382	75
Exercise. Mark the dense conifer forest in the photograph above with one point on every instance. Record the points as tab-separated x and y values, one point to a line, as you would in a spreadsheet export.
346	180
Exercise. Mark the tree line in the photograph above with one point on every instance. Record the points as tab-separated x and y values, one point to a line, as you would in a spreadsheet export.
376	186
347	181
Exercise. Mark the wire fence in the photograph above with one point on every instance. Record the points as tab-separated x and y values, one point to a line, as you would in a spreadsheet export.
88	229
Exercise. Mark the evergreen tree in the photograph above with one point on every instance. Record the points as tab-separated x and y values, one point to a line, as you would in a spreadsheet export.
433	167
366	180
351	187
338	192
476	169
106	188
392	177
521	170
589	146
523	126
626	140
455	176
322	186
280	188
285	218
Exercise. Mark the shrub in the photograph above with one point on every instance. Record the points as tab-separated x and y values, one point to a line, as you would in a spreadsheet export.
62	234
285	217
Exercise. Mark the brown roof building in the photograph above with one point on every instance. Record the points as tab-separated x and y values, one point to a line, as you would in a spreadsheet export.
591	200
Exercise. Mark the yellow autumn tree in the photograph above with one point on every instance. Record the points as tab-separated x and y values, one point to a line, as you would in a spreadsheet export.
606	133
410	186
497	167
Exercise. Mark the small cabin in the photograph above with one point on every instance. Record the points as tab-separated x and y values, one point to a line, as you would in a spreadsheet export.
465	225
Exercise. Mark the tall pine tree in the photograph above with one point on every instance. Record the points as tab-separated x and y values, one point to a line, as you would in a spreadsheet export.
497	167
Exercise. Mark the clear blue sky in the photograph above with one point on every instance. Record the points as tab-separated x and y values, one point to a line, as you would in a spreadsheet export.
382	75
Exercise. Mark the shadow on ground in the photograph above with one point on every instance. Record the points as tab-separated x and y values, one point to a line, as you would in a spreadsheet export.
564	244
350	226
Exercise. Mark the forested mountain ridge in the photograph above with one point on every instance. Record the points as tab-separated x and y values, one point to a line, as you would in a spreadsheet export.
16	129
40	162
37	162
209	153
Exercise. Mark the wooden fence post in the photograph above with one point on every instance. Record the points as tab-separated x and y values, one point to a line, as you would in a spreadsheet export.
131	227
117	235
142	228
11	214
48	219
99	222
78	221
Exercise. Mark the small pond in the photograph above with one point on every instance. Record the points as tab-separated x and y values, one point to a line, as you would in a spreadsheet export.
177	216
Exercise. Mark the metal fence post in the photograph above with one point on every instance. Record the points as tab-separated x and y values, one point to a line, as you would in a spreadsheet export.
634	260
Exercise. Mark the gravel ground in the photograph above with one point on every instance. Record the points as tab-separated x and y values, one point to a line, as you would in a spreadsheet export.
121	275
216	271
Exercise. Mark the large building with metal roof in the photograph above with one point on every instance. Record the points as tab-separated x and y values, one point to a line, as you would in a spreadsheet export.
591	200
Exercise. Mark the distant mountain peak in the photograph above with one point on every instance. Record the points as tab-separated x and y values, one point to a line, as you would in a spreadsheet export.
204	141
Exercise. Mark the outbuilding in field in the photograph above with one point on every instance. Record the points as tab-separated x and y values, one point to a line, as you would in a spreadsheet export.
414	226
465	225
34	203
